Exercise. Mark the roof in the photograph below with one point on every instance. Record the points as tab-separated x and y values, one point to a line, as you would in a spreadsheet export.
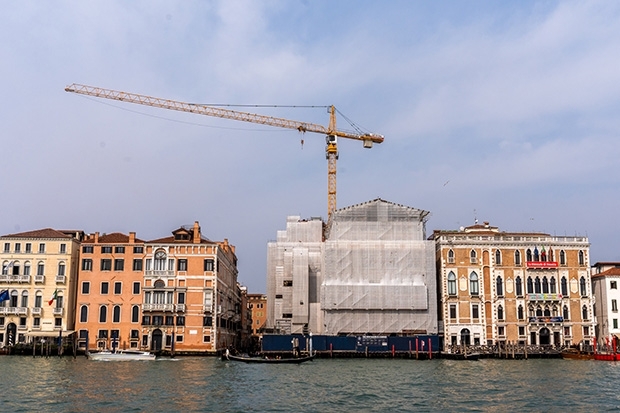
113	238
610	272
39	233
369	208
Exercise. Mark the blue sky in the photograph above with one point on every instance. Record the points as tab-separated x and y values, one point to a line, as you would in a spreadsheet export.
502	111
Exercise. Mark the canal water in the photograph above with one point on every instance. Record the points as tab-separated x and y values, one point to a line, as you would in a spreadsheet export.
325	385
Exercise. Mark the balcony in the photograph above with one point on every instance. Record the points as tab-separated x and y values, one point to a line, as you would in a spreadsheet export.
39	278
14	278
157	307
546	319
13	310
544	297
180	307
36	311
61	279
159	273
58	310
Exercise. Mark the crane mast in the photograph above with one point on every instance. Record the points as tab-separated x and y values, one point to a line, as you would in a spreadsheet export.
332	134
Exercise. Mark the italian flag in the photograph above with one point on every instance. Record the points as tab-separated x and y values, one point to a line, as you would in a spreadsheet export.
51	301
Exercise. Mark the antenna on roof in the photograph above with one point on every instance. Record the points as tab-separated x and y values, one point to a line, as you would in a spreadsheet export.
475	217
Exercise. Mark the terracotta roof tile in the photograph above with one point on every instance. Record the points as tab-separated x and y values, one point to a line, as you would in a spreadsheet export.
609	272
39	233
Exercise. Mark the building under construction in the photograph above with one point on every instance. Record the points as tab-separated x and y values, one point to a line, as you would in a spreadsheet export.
369	271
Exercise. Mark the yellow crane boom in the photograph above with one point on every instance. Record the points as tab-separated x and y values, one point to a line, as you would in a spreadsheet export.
331	149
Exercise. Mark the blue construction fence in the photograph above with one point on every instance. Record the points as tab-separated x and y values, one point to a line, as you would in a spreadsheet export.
374	344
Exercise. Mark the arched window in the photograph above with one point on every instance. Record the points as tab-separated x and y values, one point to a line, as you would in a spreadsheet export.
562	257
547	312
61	268
451	283
520	312
116	314
27	268
552	287
565	313
84	314
498	257
519	287
450	257
517	258
500	312
539	312
41	268
499	286
24	299
564	287
473	283
530	286
160	260
473	257
545	285
13	298
528	254
103	314
543	254
465	336
550	254
584	313
537	285
536	256
135	314
38	299
582	260
554	310
582	285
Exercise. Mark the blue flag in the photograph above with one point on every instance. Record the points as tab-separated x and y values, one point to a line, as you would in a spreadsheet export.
4	295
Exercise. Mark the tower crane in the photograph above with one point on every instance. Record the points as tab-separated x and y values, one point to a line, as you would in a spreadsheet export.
332	134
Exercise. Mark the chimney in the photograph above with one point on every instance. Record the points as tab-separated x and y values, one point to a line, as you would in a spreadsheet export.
96	237
196	233
132	237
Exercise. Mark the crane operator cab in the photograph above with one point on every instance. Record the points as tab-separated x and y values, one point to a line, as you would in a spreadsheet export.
331	146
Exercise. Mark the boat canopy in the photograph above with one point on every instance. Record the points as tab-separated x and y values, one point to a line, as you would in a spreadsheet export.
49	333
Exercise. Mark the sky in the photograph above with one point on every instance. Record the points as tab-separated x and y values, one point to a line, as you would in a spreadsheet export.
505	112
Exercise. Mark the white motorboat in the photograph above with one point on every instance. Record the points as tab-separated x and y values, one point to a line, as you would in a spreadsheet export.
120	355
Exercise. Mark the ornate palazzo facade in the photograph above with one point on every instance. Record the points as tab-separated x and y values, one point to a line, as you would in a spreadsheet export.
522	288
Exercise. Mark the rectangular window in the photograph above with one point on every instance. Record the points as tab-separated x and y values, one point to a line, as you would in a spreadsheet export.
615	322
453	311
137	264
87	264
86	287
206	339
38	300
119	264
182	265
138	250
87	249
104	287
106	264
7	247
614	306
119	250
22	321
180	320
181	298
586	330
521	331
288	283
146	320
613	285
278	295
18	247
474	311
135	334
106	249
118	287
207	321
179	338
40	269
41	248
209	265
37	322
145	339
28	247
136	287
102	334
58	322
169	320
63	248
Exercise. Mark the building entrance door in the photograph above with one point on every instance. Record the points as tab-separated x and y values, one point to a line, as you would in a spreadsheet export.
544	336
156	340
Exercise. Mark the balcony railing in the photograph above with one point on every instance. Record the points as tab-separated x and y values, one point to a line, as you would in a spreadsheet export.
36	311
159	273
39	278
60	279
14	278
544	297
180	307
58	310
157	307
14	310
546	319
